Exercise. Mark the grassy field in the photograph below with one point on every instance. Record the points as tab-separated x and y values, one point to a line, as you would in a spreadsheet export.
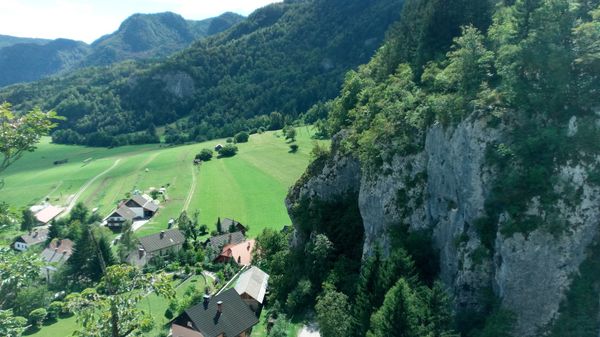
249	187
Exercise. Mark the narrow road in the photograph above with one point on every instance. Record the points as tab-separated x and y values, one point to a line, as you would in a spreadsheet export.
188	200
74	199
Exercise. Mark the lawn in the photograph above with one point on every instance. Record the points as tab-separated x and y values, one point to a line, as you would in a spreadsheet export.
154	305
249	187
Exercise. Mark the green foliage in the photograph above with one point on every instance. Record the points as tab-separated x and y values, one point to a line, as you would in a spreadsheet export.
37	317
400	314
333	313
498	324
11	326
293	148
281	327
205	155
578	312
300	296
241	137
21	133
16	272
55	310
28	220
112	308
30	298
229	150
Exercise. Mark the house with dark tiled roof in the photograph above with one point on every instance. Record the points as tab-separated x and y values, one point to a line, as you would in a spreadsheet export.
138	207
159	244
224	315
55	255
252	287
34	237
119	216
227	224
217	242
142	205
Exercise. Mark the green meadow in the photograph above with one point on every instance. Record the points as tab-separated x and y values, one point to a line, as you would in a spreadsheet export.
249	187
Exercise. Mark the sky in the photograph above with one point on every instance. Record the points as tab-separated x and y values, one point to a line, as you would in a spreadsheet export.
87	20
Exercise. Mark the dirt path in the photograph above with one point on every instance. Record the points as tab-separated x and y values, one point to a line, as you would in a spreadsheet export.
188	200
85	187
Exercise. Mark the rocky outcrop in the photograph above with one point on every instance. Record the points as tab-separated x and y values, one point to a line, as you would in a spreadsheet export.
444	189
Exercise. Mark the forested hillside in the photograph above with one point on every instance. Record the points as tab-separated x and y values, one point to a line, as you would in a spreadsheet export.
141	36
284	57
465	153
7	40
144	36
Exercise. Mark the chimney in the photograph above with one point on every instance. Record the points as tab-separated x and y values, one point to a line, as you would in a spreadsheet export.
230	238
58	243
220	307
141	252
190	325
162	234
248	247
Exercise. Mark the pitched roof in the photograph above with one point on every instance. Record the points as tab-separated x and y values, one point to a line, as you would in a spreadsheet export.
145	202
58	251
36	236
125	212
44	216
154	242
226	223
235	318
253	282
219	241
240	253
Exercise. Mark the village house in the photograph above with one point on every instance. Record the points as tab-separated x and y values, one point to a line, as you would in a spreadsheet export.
240	253
142	205
216	243
252	287
224	315
158	244
227	224
55	255
35	237
138	207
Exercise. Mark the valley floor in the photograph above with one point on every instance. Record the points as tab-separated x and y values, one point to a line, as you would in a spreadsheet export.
249	187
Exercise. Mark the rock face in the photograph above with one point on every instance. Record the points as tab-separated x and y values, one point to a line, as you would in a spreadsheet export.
444	189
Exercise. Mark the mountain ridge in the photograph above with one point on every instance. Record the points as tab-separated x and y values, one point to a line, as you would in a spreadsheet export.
141	36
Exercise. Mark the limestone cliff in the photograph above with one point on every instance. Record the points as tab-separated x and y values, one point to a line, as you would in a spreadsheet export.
444	189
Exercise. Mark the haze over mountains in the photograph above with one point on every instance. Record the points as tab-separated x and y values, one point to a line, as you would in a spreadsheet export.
141	36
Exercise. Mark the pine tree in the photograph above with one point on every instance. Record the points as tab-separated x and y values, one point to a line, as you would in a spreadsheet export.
400	315
219	227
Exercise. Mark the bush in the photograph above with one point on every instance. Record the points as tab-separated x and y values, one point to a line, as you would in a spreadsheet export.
55	309
229	140
293	148
37	316
228	150
205	155
241	137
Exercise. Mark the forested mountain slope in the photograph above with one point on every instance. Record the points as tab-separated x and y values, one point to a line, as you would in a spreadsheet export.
154	36
141	36
284	57
470	159
25	62
7	40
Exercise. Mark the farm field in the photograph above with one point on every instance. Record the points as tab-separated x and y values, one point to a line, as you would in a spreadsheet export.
249	187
